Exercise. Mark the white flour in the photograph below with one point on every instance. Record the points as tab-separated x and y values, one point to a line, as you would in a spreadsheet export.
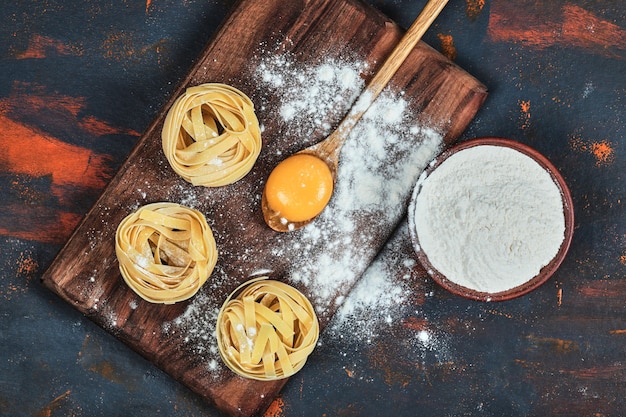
489	218
310	94
369	168
384	314
383	157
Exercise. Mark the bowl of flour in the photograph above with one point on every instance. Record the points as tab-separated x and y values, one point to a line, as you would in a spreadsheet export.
491	219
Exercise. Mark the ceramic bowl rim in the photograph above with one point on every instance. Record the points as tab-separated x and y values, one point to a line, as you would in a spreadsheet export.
546	272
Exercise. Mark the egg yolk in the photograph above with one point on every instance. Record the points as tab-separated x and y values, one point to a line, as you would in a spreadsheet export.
299	187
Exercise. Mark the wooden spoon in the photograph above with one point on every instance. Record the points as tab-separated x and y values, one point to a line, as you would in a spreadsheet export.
328	149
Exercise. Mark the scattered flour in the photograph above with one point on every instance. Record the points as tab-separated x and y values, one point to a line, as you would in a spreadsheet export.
381	301
384	155
381	160
310	94
197	326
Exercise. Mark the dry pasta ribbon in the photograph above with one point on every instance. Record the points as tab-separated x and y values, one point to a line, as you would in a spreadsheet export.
166	252
266	330
211	135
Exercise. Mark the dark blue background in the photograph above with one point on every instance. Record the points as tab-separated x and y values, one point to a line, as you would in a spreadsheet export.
557	351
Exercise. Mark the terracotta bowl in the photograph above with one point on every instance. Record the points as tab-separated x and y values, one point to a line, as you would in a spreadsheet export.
546	272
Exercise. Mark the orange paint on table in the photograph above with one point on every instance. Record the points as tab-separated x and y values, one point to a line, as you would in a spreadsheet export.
601	150
473	8
32	97
447	46
30	154
17	281
26	193
26	265
106	370
28	151
91	358
525	114
50	226
380	357
40	46
501	314
28	97
276	408
98	127
609	372
557	344
605	290
47	410
525	105
415	323
123	46
588	31
571	26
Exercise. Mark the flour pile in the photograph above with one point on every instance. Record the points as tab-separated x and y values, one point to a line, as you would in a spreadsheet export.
489	218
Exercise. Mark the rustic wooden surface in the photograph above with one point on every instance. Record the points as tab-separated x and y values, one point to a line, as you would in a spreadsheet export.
89	279
82	81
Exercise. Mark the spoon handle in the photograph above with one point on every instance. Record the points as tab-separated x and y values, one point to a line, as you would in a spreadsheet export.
384	74
405	46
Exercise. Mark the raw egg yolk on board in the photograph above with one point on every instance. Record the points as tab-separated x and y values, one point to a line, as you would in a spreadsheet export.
299	187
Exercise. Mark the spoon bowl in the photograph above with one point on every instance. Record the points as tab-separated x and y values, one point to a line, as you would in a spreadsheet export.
328	149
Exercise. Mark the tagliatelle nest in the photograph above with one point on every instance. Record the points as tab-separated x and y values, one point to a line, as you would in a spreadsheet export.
166	252
266	330
211	135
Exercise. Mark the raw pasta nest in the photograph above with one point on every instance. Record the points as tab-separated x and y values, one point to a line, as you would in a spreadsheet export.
211	135
267	331
166	252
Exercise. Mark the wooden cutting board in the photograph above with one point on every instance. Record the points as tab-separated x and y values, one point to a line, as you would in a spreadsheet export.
178	338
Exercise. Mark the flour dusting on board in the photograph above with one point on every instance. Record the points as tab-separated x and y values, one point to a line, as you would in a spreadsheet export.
381	160
310	94
381	307
369	168
198	324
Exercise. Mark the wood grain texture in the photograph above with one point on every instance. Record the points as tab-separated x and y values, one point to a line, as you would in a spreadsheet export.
85	272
